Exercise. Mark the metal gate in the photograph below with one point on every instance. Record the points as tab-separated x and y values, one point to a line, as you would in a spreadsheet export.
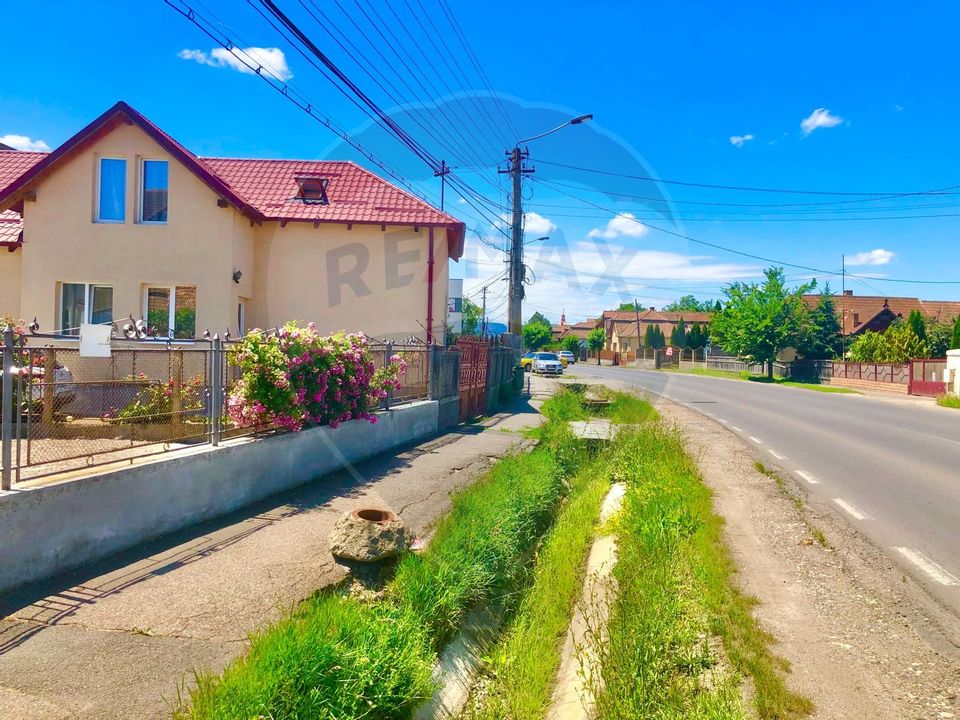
474	363
926	377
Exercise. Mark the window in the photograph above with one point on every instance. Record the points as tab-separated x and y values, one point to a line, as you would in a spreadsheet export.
84	303
171	308
111	190
312	189
153	191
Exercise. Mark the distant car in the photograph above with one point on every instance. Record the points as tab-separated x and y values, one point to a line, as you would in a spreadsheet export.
64	390
568	356
545	363
526	362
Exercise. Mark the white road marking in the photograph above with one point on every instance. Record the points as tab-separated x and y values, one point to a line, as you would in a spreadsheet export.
725	422
851	509
758	441
808	477
777	455
734	427
934	571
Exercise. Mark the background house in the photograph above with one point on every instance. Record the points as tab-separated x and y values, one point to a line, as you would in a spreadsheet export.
123	220
621	327
859	313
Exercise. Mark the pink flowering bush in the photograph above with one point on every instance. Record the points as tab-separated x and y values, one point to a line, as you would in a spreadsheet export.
298	376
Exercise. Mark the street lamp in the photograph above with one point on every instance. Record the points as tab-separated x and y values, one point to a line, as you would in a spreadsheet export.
516	275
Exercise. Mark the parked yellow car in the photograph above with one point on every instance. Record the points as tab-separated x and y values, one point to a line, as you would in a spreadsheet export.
526	362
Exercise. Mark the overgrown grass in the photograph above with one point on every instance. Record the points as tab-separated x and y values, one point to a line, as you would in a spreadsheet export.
338	657
949	401
675	593
523	665
744	375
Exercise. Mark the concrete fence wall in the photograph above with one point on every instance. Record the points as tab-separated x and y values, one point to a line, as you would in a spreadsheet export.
52	528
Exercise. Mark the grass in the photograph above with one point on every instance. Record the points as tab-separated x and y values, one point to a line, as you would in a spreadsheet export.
744	375
523	665
675	594
949	401
336	656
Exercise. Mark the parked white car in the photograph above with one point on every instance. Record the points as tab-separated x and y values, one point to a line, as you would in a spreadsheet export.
547	364
568	356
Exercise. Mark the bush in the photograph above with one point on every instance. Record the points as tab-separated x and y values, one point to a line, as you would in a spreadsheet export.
298	376
155	401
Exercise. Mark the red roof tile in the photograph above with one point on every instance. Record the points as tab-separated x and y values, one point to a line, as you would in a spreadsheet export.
14	163
11	229
355	194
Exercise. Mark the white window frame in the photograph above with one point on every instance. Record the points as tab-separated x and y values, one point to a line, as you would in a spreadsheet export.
172	312
141	186
96	200
87	304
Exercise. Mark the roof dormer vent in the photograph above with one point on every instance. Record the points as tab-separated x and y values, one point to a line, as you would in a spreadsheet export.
312	189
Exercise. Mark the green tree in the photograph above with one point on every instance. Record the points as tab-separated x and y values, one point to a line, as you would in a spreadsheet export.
472	317
899	344
718	307
678	337
596	339
570	343
536	335
917	324
657	338
822	340
955	341
688	303
648	337
695	338
760	320
939	335
630	307
538	317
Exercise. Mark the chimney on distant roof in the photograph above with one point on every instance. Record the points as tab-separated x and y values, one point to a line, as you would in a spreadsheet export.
848	293
652	308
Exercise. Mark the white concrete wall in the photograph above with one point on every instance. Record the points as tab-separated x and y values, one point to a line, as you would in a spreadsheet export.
49	529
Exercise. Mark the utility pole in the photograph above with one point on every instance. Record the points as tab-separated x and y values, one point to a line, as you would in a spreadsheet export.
483	317
516	270
843	303
442	174
636	310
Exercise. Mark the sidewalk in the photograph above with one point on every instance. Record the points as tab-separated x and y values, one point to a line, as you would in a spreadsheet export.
117	639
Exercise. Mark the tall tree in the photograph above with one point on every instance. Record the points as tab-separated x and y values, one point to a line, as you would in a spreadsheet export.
596	339
822	340
760	320
718	307
688	303
678	337
939	335
955	341
536	335
539	317
648	336
695	338
630	307
472	317
917	324
570	343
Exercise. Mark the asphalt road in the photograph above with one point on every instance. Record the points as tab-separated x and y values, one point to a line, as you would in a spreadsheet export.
891	468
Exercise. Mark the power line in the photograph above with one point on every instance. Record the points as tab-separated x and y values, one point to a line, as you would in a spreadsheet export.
740	187
724	248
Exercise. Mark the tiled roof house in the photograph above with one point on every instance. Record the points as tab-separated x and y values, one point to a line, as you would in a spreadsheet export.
122	219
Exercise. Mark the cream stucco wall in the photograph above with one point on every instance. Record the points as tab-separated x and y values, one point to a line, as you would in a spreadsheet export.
357	278
10	283
362	278
63	244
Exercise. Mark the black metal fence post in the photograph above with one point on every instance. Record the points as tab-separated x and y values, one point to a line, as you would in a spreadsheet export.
9	407
216	390
387	354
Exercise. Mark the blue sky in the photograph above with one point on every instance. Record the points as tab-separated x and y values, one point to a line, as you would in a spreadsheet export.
703	92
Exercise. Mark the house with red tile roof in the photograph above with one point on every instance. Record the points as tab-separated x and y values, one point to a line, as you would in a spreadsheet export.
626	330
122	220
859	313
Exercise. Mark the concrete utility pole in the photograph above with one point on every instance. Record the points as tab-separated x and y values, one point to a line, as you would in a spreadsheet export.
483	317
843	304
636	310
516	273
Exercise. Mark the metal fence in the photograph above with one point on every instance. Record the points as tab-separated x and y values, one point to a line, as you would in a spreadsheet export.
61	411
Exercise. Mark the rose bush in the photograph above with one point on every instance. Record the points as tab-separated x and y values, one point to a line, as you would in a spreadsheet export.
297	376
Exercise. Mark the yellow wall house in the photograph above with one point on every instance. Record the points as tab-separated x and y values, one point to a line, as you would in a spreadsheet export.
122	220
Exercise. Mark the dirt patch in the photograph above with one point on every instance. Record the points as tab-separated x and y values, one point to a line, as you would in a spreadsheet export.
863	640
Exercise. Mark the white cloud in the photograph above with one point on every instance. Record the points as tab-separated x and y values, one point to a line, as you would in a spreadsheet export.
461	201
624	225
534	224
22	142
819	118
871	257
272	59
898	108
739	140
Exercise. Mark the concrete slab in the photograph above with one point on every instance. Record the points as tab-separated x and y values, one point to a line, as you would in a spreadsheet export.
595	429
